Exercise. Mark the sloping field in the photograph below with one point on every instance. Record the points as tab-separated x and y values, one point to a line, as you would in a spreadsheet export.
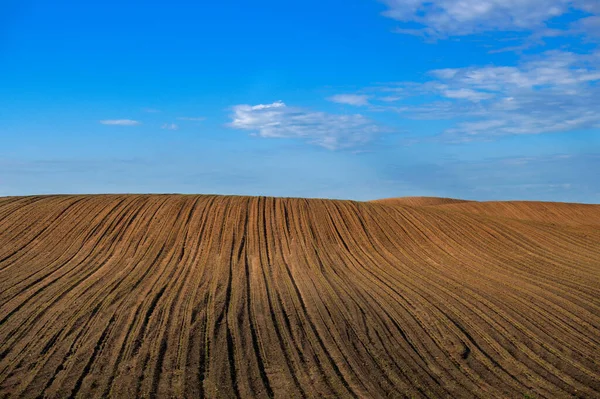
419	201
222	296
547	212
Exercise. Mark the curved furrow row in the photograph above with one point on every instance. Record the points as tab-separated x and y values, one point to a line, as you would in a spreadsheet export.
223	296
424	326
81	287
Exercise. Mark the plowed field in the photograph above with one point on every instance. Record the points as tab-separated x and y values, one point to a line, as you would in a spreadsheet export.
222	296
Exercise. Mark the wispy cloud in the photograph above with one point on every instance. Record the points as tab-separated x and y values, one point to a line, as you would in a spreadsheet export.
466	94
589	26
277	120
442	18
169	126
551	92
120	122
151	110
194	119
350	99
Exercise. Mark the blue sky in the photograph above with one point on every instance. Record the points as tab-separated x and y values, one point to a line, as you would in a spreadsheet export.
477	99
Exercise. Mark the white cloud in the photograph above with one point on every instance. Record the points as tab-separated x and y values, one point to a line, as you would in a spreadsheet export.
151	110
588	25
390	98
551	92
350	99
169	126
588	5
194	119
552	69
440	18
120	122
277	120
466	94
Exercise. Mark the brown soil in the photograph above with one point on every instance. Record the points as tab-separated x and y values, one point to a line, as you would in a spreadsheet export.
419	201
547	212
221	296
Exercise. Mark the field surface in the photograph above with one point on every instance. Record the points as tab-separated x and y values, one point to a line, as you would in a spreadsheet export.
235	297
